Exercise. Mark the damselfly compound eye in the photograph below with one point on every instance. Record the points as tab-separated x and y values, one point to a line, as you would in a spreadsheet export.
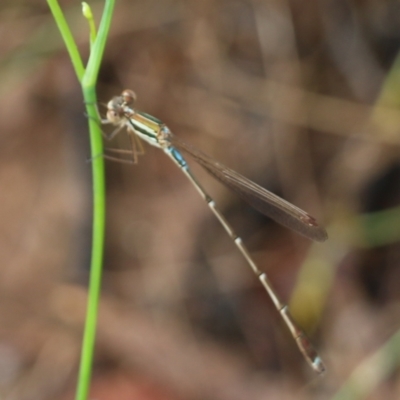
129	96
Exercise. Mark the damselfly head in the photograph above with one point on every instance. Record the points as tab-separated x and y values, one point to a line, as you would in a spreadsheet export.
129	96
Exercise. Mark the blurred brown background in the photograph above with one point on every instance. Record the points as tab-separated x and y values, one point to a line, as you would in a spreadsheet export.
283	92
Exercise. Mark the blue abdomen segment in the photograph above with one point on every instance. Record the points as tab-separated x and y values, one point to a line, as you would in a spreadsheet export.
177	157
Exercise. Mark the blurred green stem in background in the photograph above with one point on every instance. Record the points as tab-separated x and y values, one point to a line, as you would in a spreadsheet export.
367	230
88	77
372	371
380	228
383	227
374	229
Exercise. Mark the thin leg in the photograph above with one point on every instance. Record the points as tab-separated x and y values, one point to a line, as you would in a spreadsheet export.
138	144
134	142
131	160
107	157
120	160
132	156
106	136
134	153
299	336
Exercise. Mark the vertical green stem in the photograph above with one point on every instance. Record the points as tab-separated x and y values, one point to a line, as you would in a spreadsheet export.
88	78
89	337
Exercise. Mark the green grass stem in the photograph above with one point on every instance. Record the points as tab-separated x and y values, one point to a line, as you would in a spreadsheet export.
88	78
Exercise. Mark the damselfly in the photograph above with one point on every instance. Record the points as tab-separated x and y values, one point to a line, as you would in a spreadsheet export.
120	112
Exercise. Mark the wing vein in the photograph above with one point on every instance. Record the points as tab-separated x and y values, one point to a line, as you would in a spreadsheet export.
261	199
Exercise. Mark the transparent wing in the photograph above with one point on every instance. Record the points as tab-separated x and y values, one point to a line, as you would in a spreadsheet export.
261	199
